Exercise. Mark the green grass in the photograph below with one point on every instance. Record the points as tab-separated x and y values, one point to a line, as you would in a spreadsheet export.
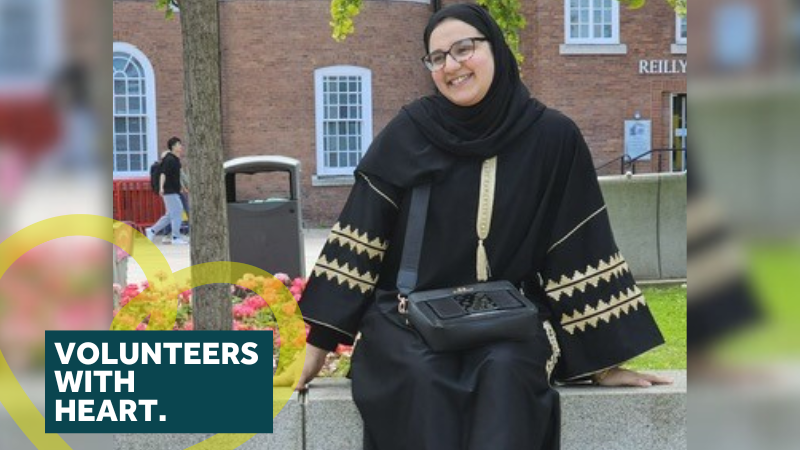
772	273
668	306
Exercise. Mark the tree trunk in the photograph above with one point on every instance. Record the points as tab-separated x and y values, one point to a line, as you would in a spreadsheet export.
209	218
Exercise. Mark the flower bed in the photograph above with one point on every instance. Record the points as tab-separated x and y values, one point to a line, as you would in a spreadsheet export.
250	299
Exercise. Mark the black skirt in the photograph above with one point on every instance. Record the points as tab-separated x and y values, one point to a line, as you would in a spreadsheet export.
496	397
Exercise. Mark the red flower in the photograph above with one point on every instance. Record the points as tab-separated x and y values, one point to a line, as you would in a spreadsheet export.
344	350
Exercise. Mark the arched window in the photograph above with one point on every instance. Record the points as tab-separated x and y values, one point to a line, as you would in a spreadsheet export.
134	112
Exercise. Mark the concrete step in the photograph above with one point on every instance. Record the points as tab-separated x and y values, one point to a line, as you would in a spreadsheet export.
593	418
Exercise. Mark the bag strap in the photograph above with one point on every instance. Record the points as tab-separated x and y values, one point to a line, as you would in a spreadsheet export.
412	249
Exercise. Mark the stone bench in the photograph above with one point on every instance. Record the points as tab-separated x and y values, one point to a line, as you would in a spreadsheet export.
592	419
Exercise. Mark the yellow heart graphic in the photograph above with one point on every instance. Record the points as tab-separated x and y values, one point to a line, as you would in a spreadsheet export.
162	312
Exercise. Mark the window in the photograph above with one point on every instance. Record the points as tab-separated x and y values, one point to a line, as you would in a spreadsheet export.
592	21
344	118
681	29
30	47
134	112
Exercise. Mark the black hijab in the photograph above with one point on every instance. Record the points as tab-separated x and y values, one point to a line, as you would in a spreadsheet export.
451	131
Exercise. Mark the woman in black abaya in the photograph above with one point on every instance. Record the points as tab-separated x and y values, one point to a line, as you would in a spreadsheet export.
549	234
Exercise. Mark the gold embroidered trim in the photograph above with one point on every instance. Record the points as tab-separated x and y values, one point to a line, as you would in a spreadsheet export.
484	223
561	241
344	274
616	307
378	191
616	266
358	242
551	336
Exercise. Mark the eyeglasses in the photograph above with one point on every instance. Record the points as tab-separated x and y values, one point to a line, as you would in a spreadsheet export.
460	51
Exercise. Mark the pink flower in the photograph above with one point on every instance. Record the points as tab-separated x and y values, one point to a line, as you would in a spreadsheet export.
283	278
238	326
255	302
188	326
242	310
141	327
185	297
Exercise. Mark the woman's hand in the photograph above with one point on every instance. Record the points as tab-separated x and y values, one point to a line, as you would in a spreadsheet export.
315	359
617	376
308	369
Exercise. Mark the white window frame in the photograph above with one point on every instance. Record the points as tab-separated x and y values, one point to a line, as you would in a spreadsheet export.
345	174
151	110
614	39
680	40
679	46
46	50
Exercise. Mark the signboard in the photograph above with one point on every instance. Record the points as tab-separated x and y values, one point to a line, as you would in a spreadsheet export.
662	66
638	139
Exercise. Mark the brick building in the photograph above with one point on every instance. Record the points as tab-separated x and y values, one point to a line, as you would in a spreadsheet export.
289	89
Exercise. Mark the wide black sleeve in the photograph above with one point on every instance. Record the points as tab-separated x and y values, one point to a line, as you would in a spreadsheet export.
343	280
722	299
599	315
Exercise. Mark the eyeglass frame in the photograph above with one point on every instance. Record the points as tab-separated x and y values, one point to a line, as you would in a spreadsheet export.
447	53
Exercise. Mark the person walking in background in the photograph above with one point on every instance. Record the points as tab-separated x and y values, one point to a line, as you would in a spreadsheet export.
184	184
170	190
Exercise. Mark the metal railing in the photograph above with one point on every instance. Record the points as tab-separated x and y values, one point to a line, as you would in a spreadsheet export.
626	163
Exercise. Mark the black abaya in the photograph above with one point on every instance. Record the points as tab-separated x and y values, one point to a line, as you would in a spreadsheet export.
550	232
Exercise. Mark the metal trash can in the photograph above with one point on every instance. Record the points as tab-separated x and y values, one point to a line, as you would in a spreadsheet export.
266	233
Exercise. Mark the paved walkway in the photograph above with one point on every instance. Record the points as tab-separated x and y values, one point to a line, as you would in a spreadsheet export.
178	255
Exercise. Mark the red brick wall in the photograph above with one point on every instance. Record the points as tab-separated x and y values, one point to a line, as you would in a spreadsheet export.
139	23
600	92
270	50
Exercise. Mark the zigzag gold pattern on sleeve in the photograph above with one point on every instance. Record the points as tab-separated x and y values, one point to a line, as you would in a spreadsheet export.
358	242
332	270
615	266
615	308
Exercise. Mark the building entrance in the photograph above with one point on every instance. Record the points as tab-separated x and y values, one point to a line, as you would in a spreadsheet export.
678	132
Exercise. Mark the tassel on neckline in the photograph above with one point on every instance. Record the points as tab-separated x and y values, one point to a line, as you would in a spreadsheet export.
483	269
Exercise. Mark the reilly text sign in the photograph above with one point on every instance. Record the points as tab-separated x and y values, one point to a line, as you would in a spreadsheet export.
662	66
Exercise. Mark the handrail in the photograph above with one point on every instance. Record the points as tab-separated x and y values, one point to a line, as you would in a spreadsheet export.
626	160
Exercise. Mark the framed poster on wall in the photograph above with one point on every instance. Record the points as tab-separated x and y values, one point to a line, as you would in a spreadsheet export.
638	139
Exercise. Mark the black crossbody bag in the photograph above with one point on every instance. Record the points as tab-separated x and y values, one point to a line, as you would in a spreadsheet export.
460	317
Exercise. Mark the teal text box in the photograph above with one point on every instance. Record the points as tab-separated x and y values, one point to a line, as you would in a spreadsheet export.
192	397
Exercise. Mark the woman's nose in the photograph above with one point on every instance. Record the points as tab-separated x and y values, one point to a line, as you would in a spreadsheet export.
450	63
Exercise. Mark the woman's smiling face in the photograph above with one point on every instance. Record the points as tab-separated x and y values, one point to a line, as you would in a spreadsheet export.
465	83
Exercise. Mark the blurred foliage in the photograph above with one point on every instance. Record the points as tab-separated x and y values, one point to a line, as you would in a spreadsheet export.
508	16
342	14
168	6
507	13
773	273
